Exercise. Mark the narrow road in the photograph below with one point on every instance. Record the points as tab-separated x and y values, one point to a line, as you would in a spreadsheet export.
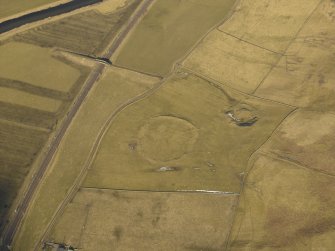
13	226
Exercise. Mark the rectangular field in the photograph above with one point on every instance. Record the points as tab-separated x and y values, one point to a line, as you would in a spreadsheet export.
231	61
107	220
30	100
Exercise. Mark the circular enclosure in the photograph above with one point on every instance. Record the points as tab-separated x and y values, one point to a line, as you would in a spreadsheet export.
166	138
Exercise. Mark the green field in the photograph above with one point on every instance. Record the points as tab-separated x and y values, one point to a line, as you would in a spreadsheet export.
181	138
13	7
168	32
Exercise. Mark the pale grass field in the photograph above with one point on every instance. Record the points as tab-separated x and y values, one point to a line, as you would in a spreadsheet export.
269	24
305	78
230	61
119	220
307	138
287	201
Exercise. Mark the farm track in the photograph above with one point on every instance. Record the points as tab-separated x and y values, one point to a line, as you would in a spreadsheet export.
15	222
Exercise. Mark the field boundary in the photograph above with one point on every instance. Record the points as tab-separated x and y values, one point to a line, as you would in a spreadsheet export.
209	192
287	47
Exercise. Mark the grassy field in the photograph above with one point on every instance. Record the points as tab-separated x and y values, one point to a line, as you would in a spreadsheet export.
269	24
16	60
120	220
115	88
305	77
173	28
30	100
285	207
231	61
13	7
87	32
182	138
